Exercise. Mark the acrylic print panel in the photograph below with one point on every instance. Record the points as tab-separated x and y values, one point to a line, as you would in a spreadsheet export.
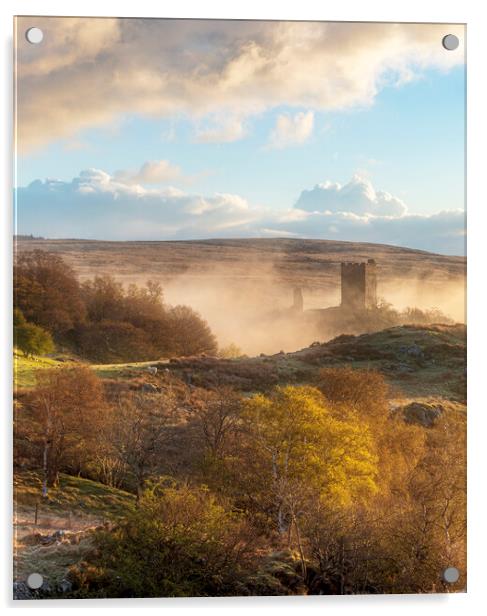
239	308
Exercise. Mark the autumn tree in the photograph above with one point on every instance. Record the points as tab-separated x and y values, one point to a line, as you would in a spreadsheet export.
366	391
135	324
69	410
215	414
430	535
296	450
190	334
114	341
47	292
104	299
142	432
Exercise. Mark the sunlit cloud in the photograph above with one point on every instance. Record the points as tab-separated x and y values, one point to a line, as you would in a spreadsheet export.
151	172
357	196
223	130
89	72
292	129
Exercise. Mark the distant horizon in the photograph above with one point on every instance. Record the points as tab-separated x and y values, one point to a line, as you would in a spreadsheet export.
31	237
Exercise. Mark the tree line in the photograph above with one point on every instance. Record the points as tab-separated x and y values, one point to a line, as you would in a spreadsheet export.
99	319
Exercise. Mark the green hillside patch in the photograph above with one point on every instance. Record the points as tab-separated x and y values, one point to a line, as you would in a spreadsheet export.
25	368
124	370
82	497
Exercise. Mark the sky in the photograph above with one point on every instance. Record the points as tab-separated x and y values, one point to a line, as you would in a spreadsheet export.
136	129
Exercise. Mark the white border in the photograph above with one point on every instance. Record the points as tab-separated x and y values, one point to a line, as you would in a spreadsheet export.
471	12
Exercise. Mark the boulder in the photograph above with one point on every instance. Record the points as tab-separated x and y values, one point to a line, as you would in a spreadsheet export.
149	388
422	413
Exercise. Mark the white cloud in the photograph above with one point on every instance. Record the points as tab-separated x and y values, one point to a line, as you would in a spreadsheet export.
291	130
357	196
99	206
223	131
89	71
151	172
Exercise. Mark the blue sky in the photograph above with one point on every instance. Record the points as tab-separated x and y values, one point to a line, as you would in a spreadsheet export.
231	155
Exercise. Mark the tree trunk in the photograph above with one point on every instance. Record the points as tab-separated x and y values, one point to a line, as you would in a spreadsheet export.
45	469
52	476
300	547
140	491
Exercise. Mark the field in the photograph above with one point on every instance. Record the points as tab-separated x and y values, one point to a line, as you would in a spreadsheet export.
307	262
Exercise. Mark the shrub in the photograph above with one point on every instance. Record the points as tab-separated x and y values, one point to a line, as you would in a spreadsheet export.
364	390
29	338
180	542
231	351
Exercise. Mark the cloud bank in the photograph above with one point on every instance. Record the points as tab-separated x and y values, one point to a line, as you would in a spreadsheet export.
89	72
96	205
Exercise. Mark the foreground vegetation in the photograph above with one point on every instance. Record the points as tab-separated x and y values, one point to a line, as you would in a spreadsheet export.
320	484
315	472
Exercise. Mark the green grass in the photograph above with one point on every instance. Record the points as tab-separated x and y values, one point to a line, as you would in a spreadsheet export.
25	368
114	371
82	497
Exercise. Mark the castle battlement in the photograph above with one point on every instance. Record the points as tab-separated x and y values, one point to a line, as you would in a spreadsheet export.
358	288
359	285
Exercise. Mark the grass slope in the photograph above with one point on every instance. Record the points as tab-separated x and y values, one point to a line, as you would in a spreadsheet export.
85	498
25	368
417	361
76	507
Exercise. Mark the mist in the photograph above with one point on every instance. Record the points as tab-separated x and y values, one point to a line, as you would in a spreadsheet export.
254	311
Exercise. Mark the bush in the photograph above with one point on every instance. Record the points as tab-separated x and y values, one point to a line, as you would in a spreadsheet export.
364	390
29	338
231	351
179	543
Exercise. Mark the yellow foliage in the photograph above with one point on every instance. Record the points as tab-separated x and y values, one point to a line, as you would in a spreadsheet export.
306	450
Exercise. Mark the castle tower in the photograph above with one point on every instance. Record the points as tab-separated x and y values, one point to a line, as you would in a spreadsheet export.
359	285
298	300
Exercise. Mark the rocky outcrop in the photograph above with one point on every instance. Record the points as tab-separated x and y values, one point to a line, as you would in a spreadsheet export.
422	413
